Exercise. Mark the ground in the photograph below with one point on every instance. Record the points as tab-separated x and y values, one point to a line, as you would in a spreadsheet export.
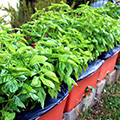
107	107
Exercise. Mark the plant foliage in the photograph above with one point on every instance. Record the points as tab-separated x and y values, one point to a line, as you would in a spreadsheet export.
25	8
66	40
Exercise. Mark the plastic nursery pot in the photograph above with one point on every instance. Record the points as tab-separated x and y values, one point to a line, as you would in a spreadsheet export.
53	109
79	91
88	78
108	66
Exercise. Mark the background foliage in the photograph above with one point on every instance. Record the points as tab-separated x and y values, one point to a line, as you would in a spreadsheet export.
27	7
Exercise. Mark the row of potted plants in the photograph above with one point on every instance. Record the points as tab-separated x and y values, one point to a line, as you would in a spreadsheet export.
65	40
97	71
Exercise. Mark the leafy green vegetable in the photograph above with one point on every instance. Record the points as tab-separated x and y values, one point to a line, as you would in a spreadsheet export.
61	43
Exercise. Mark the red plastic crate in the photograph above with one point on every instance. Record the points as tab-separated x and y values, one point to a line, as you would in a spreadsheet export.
55	113
108	66
78	92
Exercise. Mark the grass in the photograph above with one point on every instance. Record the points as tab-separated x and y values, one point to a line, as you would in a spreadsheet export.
107	107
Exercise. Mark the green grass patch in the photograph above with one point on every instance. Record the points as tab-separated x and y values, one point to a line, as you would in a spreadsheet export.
107	107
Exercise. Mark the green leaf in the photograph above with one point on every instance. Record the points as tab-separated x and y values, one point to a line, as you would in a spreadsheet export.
36	82
13	86
10	86
20	69
10	47
38	59
8	115
5	79
80	69
18	102
73	57
76	72
96	30
27	87
53	93
4	54
23	49
41	96
74	83
23	91
63	58
68	81
62	66
87	53
84	68
2	99
13	106
19	73
69	69
3	72
33	96
47	82
22	77
47	67
72	63
52	76
61	74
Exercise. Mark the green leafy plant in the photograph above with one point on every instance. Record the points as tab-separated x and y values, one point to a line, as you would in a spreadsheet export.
111	10
65	41
25	75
